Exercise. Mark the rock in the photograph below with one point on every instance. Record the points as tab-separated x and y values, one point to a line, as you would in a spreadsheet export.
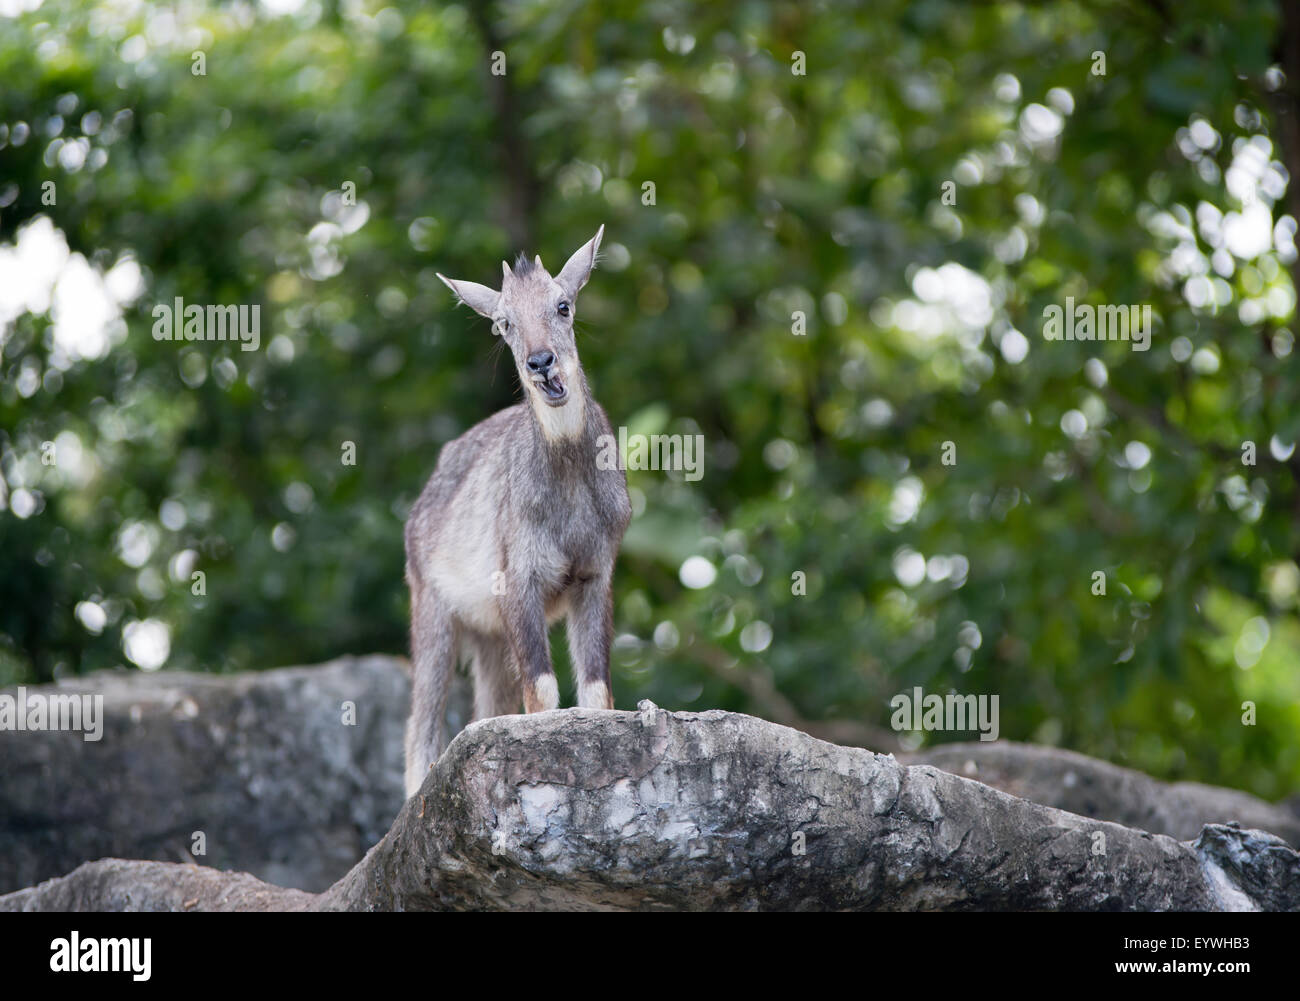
261	763
594	810
1071	781
1251	870
119	885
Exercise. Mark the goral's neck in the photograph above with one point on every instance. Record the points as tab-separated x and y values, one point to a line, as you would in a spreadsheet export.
566	425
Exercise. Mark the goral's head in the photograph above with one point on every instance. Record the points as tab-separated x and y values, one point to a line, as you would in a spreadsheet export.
534	313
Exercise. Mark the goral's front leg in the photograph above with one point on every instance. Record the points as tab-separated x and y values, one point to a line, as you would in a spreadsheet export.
591	631
524	613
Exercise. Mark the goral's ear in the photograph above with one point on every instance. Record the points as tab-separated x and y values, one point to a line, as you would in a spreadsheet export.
577	270
479	298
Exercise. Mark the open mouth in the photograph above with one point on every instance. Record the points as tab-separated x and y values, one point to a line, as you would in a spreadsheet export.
553	389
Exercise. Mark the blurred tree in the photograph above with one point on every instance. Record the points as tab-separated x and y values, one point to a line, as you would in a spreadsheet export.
914	182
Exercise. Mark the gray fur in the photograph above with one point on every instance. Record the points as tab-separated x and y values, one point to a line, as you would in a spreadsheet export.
517	527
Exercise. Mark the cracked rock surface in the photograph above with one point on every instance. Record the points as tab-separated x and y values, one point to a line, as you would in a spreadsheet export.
592	809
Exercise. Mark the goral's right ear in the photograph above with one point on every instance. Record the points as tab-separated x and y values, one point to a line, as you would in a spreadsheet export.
479	298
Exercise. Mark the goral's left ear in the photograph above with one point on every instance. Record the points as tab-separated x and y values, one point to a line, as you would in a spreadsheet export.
577	269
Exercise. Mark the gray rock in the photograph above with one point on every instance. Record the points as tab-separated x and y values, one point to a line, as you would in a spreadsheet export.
594	810
261	763
1071	781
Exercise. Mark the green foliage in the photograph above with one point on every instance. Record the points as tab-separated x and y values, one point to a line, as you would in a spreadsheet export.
774	193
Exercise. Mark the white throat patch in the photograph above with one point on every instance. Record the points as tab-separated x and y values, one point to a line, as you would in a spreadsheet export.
566	422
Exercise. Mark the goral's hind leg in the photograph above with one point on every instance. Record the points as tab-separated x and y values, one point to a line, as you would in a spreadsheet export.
433	658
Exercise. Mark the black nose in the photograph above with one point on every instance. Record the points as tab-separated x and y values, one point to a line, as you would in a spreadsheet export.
540	362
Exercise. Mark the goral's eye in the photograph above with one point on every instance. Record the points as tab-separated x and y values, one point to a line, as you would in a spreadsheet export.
563	308
501	326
